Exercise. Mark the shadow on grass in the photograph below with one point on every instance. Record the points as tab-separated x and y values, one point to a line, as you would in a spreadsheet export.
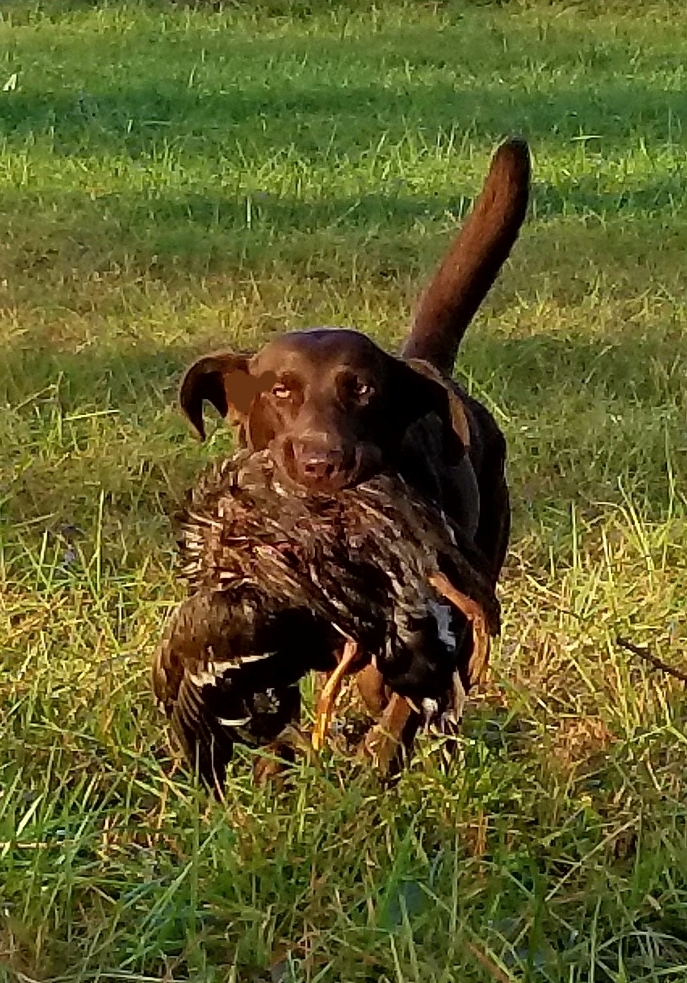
144	121
579	413
61	242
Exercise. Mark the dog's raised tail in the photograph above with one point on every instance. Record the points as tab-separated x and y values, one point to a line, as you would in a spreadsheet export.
474	260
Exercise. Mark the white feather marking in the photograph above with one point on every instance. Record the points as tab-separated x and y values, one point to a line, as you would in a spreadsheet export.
240	722
449	531
203	678
429	708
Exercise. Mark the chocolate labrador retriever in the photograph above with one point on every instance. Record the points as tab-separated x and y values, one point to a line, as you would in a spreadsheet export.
333	408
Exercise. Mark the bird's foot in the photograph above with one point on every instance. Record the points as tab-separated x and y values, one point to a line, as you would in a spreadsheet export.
386	742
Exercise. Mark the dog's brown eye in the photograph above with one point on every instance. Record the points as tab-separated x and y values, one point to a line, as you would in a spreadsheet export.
352	389
281	391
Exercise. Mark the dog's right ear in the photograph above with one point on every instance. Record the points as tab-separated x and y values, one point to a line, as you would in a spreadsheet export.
225	381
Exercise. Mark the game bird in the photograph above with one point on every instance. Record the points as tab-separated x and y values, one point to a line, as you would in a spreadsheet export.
284	583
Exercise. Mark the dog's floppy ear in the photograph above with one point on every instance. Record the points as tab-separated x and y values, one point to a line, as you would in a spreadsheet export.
418	390
429	438
225	380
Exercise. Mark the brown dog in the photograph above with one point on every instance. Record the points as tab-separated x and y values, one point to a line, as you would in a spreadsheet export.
333	408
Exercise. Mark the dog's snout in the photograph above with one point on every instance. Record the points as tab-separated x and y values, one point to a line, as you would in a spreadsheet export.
319	458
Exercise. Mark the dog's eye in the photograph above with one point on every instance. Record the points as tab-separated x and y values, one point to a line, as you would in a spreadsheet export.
352	389
281	391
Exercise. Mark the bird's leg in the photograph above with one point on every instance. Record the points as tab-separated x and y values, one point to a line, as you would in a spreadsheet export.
372	690
474	613
383	741
330	691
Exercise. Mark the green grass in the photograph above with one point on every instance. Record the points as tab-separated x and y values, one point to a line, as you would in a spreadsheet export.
174	178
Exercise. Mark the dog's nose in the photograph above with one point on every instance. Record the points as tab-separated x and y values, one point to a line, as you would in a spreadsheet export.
321	464
319	459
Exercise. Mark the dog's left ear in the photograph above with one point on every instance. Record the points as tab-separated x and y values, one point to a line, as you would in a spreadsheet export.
225	381
418	389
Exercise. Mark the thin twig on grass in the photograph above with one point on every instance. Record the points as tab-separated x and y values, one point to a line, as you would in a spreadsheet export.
653	660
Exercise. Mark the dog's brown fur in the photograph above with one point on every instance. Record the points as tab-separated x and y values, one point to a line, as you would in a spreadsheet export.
333	408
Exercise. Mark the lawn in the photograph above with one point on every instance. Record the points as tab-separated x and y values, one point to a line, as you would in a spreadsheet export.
175	178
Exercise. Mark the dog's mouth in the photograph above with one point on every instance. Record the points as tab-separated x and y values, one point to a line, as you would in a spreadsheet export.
330	475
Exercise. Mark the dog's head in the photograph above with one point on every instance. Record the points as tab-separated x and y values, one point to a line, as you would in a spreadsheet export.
330	405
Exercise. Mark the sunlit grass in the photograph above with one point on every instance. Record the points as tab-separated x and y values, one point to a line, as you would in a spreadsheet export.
175	178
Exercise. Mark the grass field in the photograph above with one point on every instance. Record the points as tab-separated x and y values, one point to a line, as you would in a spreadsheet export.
175	178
